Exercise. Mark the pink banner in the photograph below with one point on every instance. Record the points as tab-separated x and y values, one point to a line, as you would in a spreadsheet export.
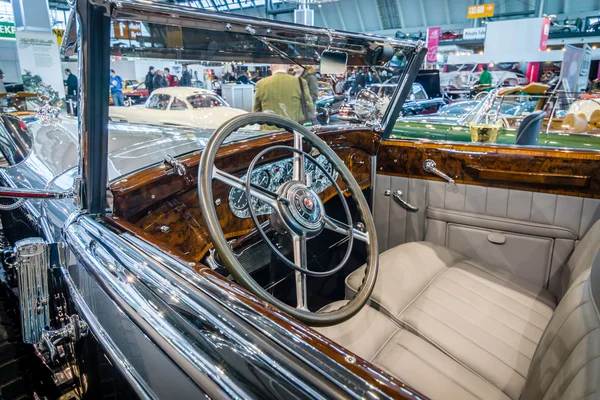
545	33
433	39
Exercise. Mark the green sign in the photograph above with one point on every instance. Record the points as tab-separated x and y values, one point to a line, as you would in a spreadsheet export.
7	30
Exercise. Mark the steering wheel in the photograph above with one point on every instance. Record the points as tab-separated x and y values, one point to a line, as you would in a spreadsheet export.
297	211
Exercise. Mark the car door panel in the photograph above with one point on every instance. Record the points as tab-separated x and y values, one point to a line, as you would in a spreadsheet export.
520	209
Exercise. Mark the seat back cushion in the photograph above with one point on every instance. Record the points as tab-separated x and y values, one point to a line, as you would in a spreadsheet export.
582	257
566	363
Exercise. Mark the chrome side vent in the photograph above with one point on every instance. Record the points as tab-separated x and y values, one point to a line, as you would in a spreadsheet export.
33	264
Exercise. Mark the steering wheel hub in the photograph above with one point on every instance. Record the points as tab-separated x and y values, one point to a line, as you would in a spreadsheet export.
303	213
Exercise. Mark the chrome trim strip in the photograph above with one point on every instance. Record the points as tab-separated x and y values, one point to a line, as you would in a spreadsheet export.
115	355
292	340
20	193
167	309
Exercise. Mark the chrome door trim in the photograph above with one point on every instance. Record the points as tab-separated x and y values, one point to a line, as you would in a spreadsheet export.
156	299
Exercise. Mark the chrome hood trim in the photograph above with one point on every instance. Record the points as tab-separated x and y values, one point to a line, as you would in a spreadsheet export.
219	352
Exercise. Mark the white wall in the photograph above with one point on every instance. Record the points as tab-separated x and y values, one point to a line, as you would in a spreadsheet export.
9	61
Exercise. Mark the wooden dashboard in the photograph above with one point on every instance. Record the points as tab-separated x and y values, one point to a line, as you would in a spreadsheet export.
162	207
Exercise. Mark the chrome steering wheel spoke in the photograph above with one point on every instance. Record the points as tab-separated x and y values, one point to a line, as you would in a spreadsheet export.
334	225
301	260
298	174
262	194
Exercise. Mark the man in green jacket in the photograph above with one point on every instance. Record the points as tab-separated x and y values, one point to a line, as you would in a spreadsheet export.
281	93
486	77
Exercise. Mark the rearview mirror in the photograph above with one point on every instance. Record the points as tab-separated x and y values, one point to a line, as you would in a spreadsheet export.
333	62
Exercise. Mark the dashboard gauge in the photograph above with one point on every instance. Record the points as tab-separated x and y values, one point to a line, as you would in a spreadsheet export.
271	177
238	200
262	179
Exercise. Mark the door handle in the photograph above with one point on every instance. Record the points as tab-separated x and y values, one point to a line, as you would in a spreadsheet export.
430	166
398	197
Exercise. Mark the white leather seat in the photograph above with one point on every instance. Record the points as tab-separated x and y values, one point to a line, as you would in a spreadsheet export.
496	335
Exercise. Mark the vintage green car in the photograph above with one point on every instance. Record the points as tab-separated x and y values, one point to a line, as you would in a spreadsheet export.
491	110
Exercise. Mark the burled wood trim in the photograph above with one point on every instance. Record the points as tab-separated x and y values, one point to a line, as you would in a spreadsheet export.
165	205
497	149
555	171
136	194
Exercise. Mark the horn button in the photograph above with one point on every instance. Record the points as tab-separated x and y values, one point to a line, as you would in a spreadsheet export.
304	211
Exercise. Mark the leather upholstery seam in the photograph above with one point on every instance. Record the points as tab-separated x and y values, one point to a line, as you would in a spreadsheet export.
471	341
508	221
482	330
490	316
442	372
385	344
536	296
504	308
547	348
426	287
450	355
579	370
569	356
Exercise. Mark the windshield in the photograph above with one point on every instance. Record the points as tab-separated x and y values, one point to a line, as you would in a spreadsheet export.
204	101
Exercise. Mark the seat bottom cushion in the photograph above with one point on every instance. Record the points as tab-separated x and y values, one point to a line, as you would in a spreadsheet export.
376	338
484	317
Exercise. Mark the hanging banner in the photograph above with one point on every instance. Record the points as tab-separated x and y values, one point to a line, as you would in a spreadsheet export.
433	40
586	64
545	34
40	64
474	33
481	11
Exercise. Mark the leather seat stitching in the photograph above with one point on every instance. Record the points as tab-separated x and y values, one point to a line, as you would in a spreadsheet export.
483	312
426	287
575	375
469	340
416	332
537	296
504	308
485	282
384	344
481	329
546	348
442	372
567	357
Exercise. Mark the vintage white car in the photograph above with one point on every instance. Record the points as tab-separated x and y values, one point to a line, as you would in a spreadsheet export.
178	106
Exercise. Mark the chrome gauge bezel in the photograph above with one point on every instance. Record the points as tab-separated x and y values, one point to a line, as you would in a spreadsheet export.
276	171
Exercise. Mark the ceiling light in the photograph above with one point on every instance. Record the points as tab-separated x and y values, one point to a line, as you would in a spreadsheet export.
491	64
594	47
564	49
548	49
480	51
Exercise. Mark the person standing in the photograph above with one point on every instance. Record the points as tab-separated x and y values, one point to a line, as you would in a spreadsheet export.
486	77
71	83
310	76
71	92
242	78
159	80
186	77
169	77
2	88
149	81
116	89
285	95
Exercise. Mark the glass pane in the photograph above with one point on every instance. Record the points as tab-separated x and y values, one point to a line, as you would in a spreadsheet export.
158	102
177	105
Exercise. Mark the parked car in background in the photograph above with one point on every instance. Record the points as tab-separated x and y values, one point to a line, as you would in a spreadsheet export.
449	35
130	84
556	26
178	106
137	95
